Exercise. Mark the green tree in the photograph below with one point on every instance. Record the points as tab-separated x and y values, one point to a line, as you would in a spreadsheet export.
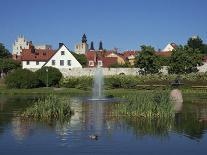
7	64
148	61
185	59
4	53
197	43
22	78
81	59
49	76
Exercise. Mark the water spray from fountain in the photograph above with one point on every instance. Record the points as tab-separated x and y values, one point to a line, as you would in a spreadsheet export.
98	84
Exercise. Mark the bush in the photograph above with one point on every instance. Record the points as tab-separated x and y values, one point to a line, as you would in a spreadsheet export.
22	78
83	82
49	75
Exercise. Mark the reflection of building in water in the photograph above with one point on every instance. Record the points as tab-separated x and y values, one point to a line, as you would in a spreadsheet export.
177	98
21	129
75	123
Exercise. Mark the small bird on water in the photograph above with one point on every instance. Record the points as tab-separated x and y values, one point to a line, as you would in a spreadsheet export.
93	137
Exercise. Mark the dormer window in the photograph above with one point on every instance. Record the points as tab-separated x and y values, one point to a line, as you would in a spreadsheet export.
100	63
91	63
62	52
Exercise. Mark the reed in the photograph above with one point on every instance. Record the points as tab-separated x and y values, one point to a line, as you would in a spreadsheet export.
48	108
146	105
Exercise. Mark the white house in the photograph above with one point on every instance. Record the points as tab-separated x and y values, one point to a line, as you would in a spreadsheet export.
169	47
36	58
63	59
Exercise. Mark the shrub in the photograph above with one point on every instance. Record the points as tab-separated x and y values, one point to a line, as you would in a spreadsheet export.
49	75
22	78
83	82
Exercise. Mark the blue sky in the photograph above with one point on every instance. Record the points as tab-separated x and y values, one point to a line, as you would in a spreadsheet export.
124	24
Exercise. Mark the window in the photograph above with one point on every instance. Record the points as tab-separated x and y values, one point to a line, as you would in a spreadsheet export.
91	63
44	53
100	63
61	62
62	52
69	62
37	62
53	62
27	62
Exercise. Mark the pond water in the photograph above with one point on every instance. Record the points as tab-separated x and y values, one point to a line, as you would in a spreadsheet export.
187	134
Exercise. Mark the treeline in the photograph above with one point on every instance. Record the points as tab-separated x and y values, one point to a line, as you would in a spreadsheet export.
136	82
184	58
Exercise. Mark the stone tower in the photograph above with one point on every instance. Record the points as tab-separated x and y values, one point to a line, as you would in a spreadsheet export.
82	47
19	44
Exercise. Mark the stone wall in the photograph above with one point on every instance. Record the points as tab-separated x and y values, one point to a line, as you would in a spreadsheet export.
111	71
106	71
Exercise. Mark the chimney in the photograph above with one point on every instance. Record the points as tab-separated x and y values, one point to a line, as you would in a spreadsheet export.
60	45
32	49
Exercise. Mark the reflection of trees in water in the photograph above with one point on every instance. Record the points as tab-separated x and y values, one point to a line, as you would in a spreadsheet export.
150	127
10	106
189	125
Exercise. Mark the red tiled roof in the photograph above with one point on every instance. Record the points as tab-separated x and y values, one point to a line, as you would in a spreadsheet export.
126	54
164	53
108	61
91	55
37	54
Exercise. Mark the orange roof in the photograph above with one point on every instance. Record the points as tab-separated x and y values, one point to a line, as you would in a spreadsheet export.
36	54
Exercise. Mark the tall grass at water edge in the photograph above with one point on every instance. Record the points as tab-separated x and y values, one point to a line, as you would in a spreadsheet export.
146	105
48	108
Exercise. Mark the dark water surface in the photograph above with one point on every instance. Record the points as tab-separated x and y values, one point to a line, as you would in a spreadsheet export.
187	134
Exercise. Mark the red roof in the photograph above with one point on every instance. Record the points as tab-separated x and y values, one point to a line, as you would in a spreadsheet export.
108	61
91	55
164	54
126	54
36	54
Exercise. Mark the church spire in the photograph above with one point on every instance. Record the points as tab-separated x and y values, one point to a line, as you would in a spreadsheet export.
100	46
92	47
84	38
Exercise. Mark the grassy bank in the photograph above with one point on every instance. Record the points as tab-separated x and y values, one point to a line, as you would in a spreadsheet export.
36	91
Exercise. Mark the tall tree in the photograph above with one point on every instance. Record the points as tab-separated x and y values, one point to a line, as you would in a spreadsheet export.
185	59
197	43
148	61
4	53
81	59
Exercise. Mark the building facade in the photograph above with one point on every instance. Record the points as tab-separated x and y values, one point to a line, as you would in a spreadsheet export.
37	58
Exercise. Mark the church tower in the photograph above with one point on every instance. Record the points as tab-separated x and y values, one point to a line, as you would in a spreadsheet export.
82	47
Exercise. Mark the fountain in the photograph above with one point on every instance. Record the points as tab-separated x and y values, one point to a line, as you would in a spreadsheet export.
98	87
98	84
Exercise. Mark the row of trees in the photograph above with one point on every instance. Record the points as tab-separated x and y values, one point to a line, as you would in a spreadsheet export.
184	59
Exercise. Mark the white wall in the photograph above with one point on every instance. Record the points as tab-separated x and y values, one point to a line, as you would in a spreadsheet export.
68	56
32	64
168	48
